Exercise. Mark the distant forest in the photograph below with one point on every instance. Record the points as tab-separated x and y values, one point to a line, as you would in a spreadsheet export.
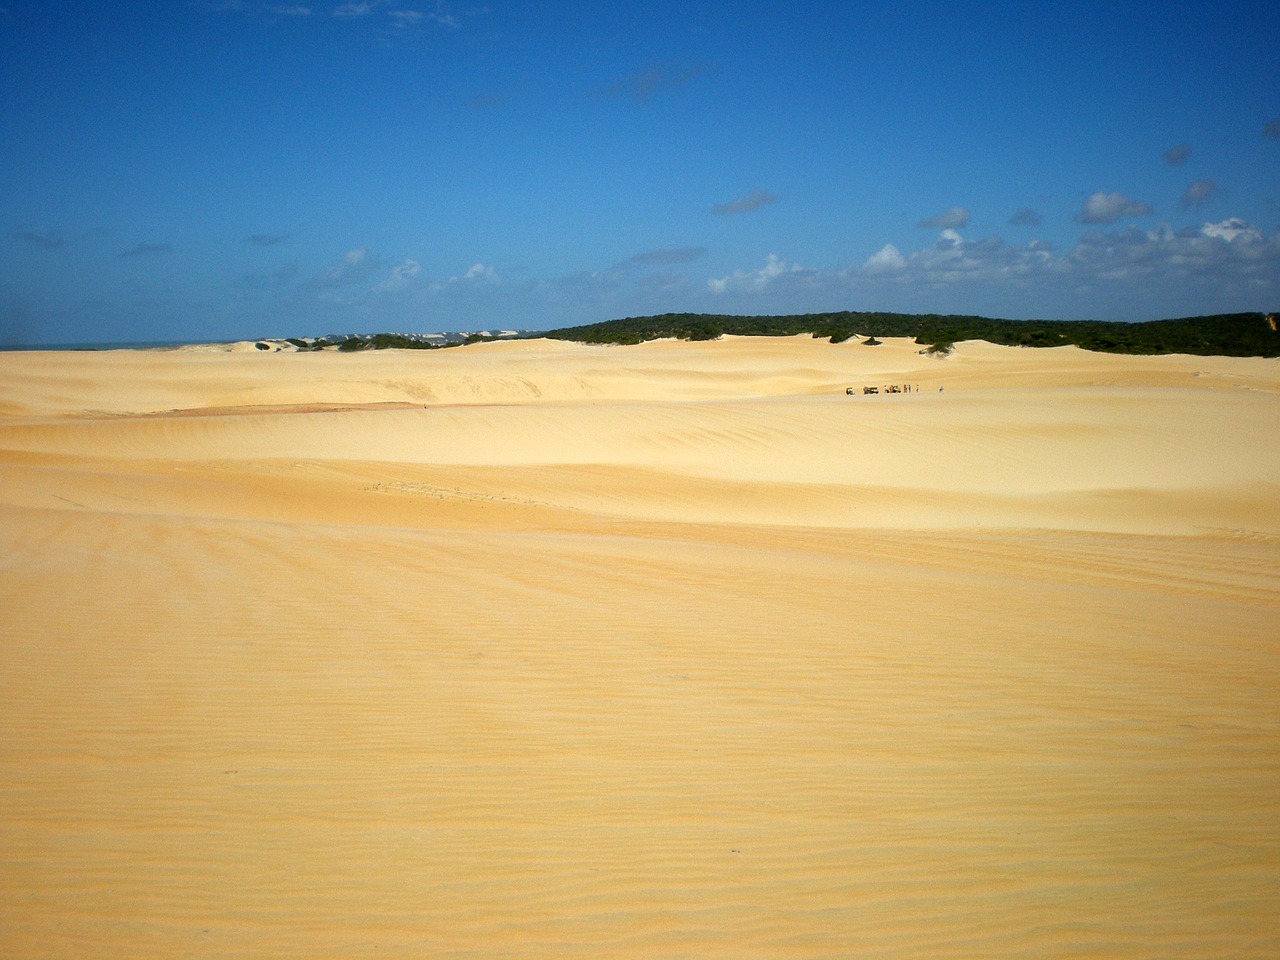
1222	335
1229	335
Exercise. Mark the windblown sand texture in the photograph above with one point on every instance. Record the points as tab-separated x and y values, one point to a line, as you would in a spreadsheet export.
542	650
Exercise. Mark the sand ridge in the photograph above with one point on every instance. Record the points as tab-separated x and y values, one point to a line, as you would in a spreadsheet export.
537	649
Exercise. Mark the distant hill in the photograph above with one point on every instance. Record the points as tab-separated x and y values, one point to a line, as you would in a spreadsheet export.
1229	335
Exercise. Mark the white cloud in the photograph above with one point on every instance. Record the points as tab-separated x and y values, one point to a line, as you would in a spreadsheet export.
953	258
401	276
1178	155
478	274
1108	273
773	269
1231	230
1231	254
1233	250
1106	208
957	218
888	259
1221	266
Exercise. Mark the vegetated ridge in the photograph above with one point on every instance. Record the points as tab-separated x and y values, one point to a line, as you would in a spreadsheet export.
1228	334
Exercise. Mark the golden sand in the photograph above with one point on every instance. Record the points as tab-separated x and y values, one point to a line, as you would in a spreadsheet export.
543	650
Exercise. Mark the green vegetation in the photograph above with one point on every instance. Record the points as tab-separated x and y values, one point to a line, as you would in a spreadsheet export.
1231	335
387	341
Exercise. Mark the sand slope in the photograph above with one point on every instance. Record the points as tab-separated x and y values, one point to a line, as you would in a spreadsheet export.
545	650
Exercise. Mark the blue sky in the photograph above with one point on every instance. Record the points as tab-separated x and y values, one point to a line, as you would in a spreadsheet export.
220	169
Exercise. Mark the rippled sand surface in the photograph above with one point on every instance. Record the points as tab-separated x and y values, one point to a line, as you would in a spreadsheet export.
542	650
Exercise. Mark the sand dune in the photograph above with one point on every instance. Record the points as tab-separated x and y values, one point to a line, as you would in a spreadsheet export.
535	649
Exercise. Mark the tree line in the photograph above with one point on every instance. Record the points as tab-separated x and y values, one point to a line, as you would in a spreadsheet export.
1225	334
1229	334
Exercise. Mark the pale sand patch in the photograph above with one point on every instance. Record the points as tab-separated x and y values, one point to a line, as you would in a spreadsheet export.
544	650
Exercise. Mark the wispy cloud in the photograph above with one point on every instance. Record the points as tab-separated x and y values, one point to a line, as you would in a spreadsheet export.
1107	208
406	18
1129	274
257	6
478	273
480	279
267	239
446	18
752	201
402	275
402	16
1199	192
1272	128
952	258
1176	156
356	266
362	8
774	269
262	280
46	241
665	284
1231	251
667	257
956	218
144	249
1026	217
589	284
656	78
